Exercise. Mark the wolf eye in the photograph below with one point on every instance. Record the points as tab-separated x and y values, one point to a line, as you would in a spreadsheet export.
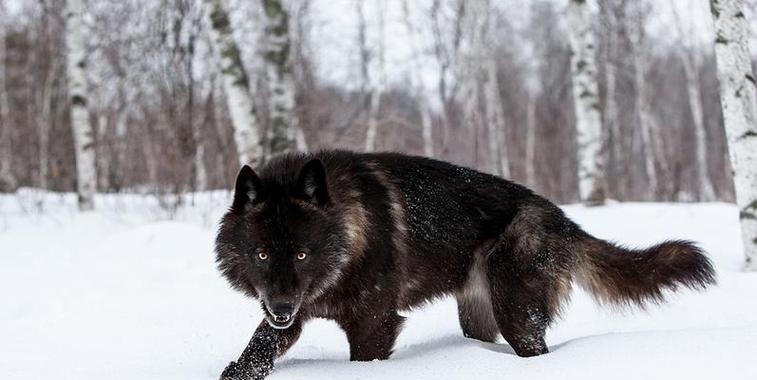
301	256
263	255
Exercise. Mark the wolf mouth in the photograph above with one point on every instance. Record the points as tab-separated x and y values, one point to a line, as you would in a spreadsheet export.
277	321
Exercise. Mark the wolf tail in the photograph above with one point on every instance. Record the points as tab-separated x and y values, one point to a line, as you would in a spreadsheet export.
623	277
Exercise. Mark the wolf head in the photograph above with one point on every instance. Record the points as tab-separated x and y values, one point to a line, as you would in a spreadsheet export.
282	242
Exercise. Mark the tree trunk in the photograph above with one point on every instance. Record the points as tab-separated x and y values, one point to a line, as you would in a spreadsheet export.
201	173
531	141
377	84
283	129
586	102
739	102
43	121
495	121
236	85
420	88
103	161
688	55
706	191
636	34
613	137
77	89
373	118
7	180
120	145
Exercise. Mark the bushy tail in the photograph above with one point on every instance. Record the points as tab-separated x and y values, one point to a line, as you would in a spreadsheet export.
621	276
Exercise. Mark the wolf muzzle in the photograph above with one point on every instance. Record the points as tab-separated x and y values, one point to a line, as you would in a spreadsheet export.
281	312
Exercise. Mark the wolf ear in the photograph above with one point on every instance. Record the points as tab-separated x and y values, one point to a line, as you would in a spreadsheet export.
311	183
247	188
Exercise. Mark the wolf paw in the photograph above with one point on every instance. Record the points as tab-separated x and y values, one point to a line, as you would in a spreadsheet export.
235	371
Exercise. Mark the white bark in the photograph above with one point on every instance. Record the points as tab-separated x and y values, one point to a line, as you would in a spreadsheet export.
586	103
420	88
43	120
427	132
201	173
495	114
636	33
482	86
103	161
120	145
706	191
7	180
739	102
84	147
284	130
689	59
235	84
373	118
495	121
377	84
613	138
531	142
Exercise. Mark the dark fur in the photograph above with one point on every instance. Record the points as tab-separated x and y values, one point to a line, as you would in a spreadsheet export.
389	232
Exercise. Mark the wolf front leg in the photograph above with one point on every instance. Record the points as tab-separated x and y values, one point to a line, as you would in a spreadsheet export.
267	344
372	335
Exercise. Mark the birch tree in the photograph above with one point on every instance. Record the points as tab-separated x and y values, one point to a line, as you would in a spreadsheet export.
7	180
652	153
495	115
419	86
447	44
531	139
613	139
378	80
284	133
691	61
236	85
76	66
586	103
739	102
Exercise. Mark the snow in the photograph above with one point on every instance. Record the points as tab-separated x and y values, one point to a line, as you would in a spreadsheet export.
124	292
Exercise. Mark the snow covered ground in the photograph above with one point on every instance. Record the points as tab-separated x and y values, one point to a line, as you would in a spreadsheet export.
126	293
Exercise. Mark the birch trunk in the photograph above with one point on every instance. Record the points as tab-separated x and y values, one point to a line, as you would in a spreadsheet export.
201	174
420	88
283	129
43	121
84	147
531	141
739	102
706	191
235	84
377	84
636	33
103	161
373	118
7	180
427	128
611	122
689	59
586	102
495	121
120	145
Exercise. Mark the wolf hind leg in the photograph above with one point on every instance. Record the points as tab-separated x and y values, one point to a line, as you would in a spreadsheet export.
526	294
474	305
522	319
477	320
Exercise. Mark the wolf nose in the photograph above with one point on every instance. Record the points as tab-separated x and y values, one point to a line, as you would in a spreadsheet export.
282	311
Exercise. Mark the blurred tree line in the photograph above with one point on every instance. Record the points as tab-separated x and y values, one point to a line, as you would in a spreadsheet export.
486	84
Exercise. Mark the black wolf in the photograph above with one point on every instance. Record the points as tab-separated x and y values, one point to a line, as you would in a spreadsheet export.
358	237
